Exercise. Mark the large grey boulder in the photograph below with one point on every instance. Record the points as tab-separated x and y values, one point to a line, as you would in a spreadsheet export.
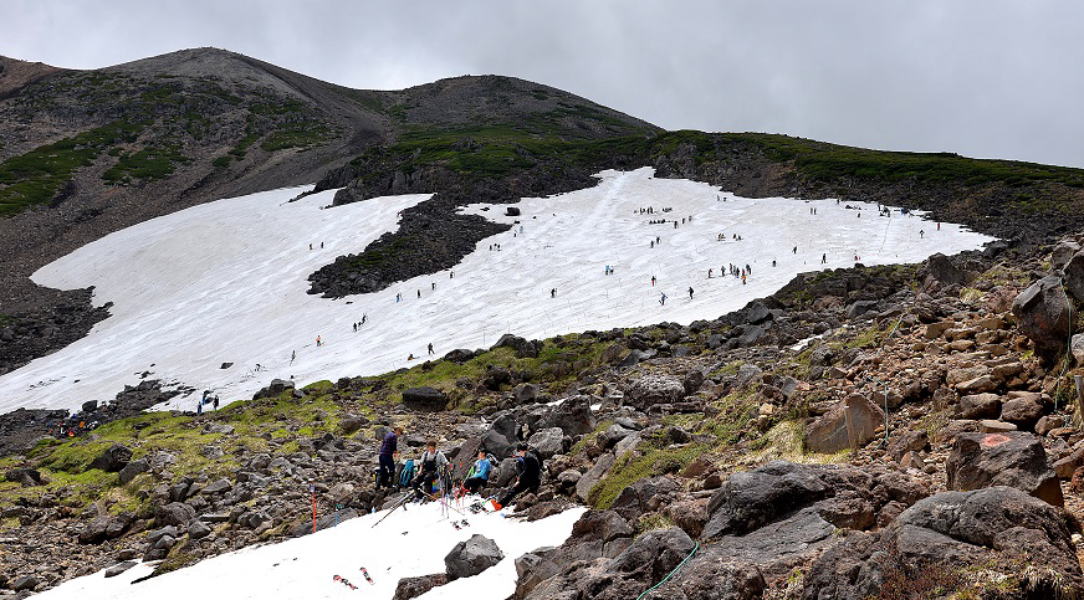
523	348
174	513
425	398
1043	313
276	387
548	442
132	469
1014	459
943	270
471	557
650	390
593	475
849	424
574	416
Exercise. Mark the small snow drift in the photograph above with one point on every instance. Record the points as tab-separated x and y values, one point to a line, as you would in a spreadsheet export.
408	543
225	282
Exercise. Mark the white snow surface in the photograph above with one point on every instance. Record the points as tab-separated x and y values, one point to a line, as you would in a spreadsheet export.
303	568
226	281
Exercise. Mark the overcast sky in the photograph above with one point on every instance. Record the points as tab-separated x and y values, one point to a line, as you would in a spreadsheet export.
985	78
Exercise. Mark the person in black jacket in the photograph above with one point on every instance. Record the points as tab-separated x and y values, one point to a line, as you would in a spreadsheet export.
530	474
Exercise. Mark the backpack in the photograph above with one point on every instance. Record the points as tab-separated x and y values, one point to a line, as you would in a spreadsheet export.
407	474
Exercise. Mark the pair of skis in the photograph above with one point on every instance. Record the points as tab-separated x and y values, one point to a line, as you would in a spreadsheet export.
346	582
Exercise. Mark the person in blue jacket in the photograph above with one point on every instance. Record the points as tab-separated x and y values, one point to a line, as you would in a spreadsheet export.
479	473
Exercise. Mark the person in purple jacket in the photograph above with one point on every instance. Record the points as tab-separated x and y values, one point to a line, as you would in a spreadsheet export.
389	449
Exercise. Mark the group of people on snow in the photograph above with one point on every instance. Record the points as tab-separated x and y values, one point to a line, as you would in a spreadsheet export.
430	476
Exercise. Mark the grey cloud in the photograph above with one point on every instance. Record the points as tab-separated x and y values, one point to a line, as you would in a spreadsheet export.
988	78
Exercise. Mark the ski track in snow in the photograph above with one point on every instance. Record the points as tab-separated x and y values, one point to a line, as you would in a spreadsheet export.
226	281
303	568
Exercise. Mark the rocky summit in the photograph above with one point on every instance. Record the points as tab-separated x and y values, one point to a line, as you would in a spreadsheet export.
883	431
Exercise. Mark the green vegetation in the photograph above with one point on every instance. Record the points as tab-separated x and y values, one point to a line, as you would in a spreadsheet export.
298	135
39	175
153	162
831	162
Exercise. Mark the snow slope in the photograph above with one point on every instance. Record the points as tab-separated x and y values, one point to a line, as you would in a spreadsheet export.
407	544
226	281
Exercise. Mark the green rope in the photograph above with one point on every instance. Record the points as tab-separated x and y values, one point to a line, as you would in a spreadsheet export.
672	573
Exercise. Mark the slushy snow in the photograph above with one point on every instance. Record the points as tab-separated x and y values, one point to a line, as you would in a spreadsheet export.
225	282
407	544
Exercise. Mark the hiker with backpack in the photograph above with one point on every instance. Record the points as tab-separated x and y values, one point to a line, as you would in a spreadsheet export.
389	450
432	462
478	475
529	467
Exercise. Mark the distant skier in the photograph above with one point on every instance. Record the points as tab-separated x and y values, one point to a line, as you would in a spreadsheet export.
431	349
553	292
922	233
795	250
319	342
652	281
398	296
293	356
662	299
310	246
321	245
690	293
824	258
773	262
355	327
710	271
419	293
363	317
433	286
199	407
216	402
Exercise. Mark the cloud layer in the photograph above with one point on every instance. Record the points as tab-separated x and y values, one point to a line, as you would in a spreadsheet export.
987	78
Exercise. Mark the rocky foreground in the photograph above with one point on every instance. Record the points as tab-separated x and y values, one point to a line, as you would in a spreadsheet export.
892	432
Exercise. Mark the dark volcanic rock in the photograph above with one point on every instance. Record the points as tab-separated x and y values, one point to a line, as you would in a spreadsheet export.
113	459
412	587
472	556
1014	459
425	398
1043	312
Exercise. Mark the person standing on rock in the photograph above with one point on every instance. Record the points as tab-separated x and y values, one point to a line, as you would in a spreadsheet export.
389	451
216	402
529	467
432	462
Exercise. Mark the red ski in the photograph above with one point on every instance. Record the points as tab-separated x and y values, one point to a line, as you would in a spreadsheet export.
365	573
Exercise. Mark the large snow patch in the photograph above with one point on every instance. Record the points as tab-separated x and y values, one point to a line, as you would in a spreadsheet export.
225	282
407	544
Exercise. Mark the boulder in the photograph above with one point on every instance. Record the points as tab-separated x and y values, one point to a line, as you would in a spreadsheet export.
748	374
198	530
113	459
1076	346
593	475
751	499
119	568
89	406
548	441
24	583
523	348
1061	255
174	513
943	270
849	424
980	406
132	469
24	476
277	387
653	555
412	587
1023	410
512	211
1074	276
425	398
1042	311
1014	459
525	393
574	416
922	553
471	557
650	390
693	380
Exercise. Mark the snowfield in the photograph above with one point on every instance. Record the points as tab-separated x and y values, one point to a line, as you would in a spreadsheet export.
225	282
407	544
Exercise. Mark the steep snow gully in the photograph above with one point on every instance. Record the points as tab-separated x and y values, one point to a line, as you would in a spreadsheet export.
225	282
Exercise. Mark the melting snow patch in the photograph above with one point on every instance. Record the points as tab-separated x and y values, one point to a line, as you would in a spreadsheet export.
407	544
225	282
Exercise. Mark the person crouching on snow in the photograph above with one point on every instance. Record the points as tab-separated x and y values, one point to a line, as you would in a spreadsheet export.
479	473
432	462
529	466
